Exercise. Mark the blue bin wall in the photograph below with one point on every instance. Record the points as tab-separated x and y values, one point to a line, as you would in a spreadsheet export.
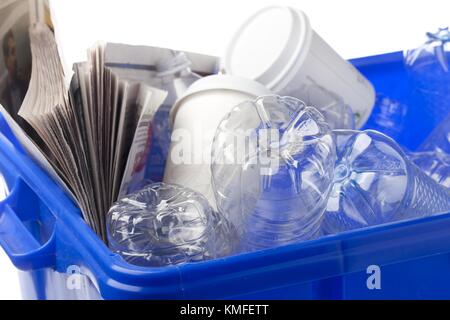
45	237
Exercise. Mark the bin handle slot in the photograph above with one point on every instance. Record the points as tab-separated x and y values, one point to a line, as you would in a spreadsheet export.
27	230
27	226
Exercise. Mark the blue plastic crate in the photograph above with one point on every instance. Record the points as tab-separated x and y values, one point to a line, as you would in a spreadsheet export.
61	258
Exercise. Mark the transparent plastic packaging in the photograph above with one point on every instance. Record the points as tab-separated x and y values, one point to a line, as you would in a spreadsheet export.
429	71
272	168
140	185
165	224
173	74
388	116
337	114
375	182
433	156
439	137
436	164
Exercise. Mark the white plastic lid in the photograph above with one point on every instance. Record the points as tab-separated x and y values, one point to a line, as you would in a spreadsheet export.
268	45
220	82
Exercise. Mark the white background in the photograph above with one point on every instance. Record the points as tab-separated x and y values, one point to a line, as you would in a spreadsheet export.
354	28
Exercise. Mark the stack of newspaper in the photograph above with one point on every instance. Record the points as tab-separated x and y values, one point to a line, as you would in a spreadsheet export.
96	136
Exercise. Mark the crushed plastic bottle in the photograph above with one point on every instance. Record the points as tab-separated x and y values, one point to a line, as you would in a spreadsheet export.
165	224
428	67
374	183
173	74
272	169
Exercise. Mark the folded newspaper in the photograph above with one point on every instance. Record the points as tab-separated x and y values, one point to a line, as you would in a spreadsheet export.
97	135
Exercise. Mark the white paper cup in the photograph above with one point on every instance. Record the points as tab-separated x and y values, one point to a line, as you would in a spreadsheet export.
195	117
278	48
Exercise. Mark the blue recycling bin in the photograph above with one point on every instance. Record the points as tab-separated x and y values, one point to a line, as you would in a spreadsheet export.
60	257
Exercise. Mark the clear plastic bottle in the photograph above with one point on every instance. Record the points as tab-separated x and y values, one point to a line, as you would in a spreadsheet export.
165	224
272	169
436	164
439	137
388	116
173	74
375	182
433	156
428	67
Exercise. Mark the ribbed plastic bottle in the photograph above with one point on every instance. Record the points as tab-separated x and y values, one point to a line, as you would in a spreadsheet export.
375	182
